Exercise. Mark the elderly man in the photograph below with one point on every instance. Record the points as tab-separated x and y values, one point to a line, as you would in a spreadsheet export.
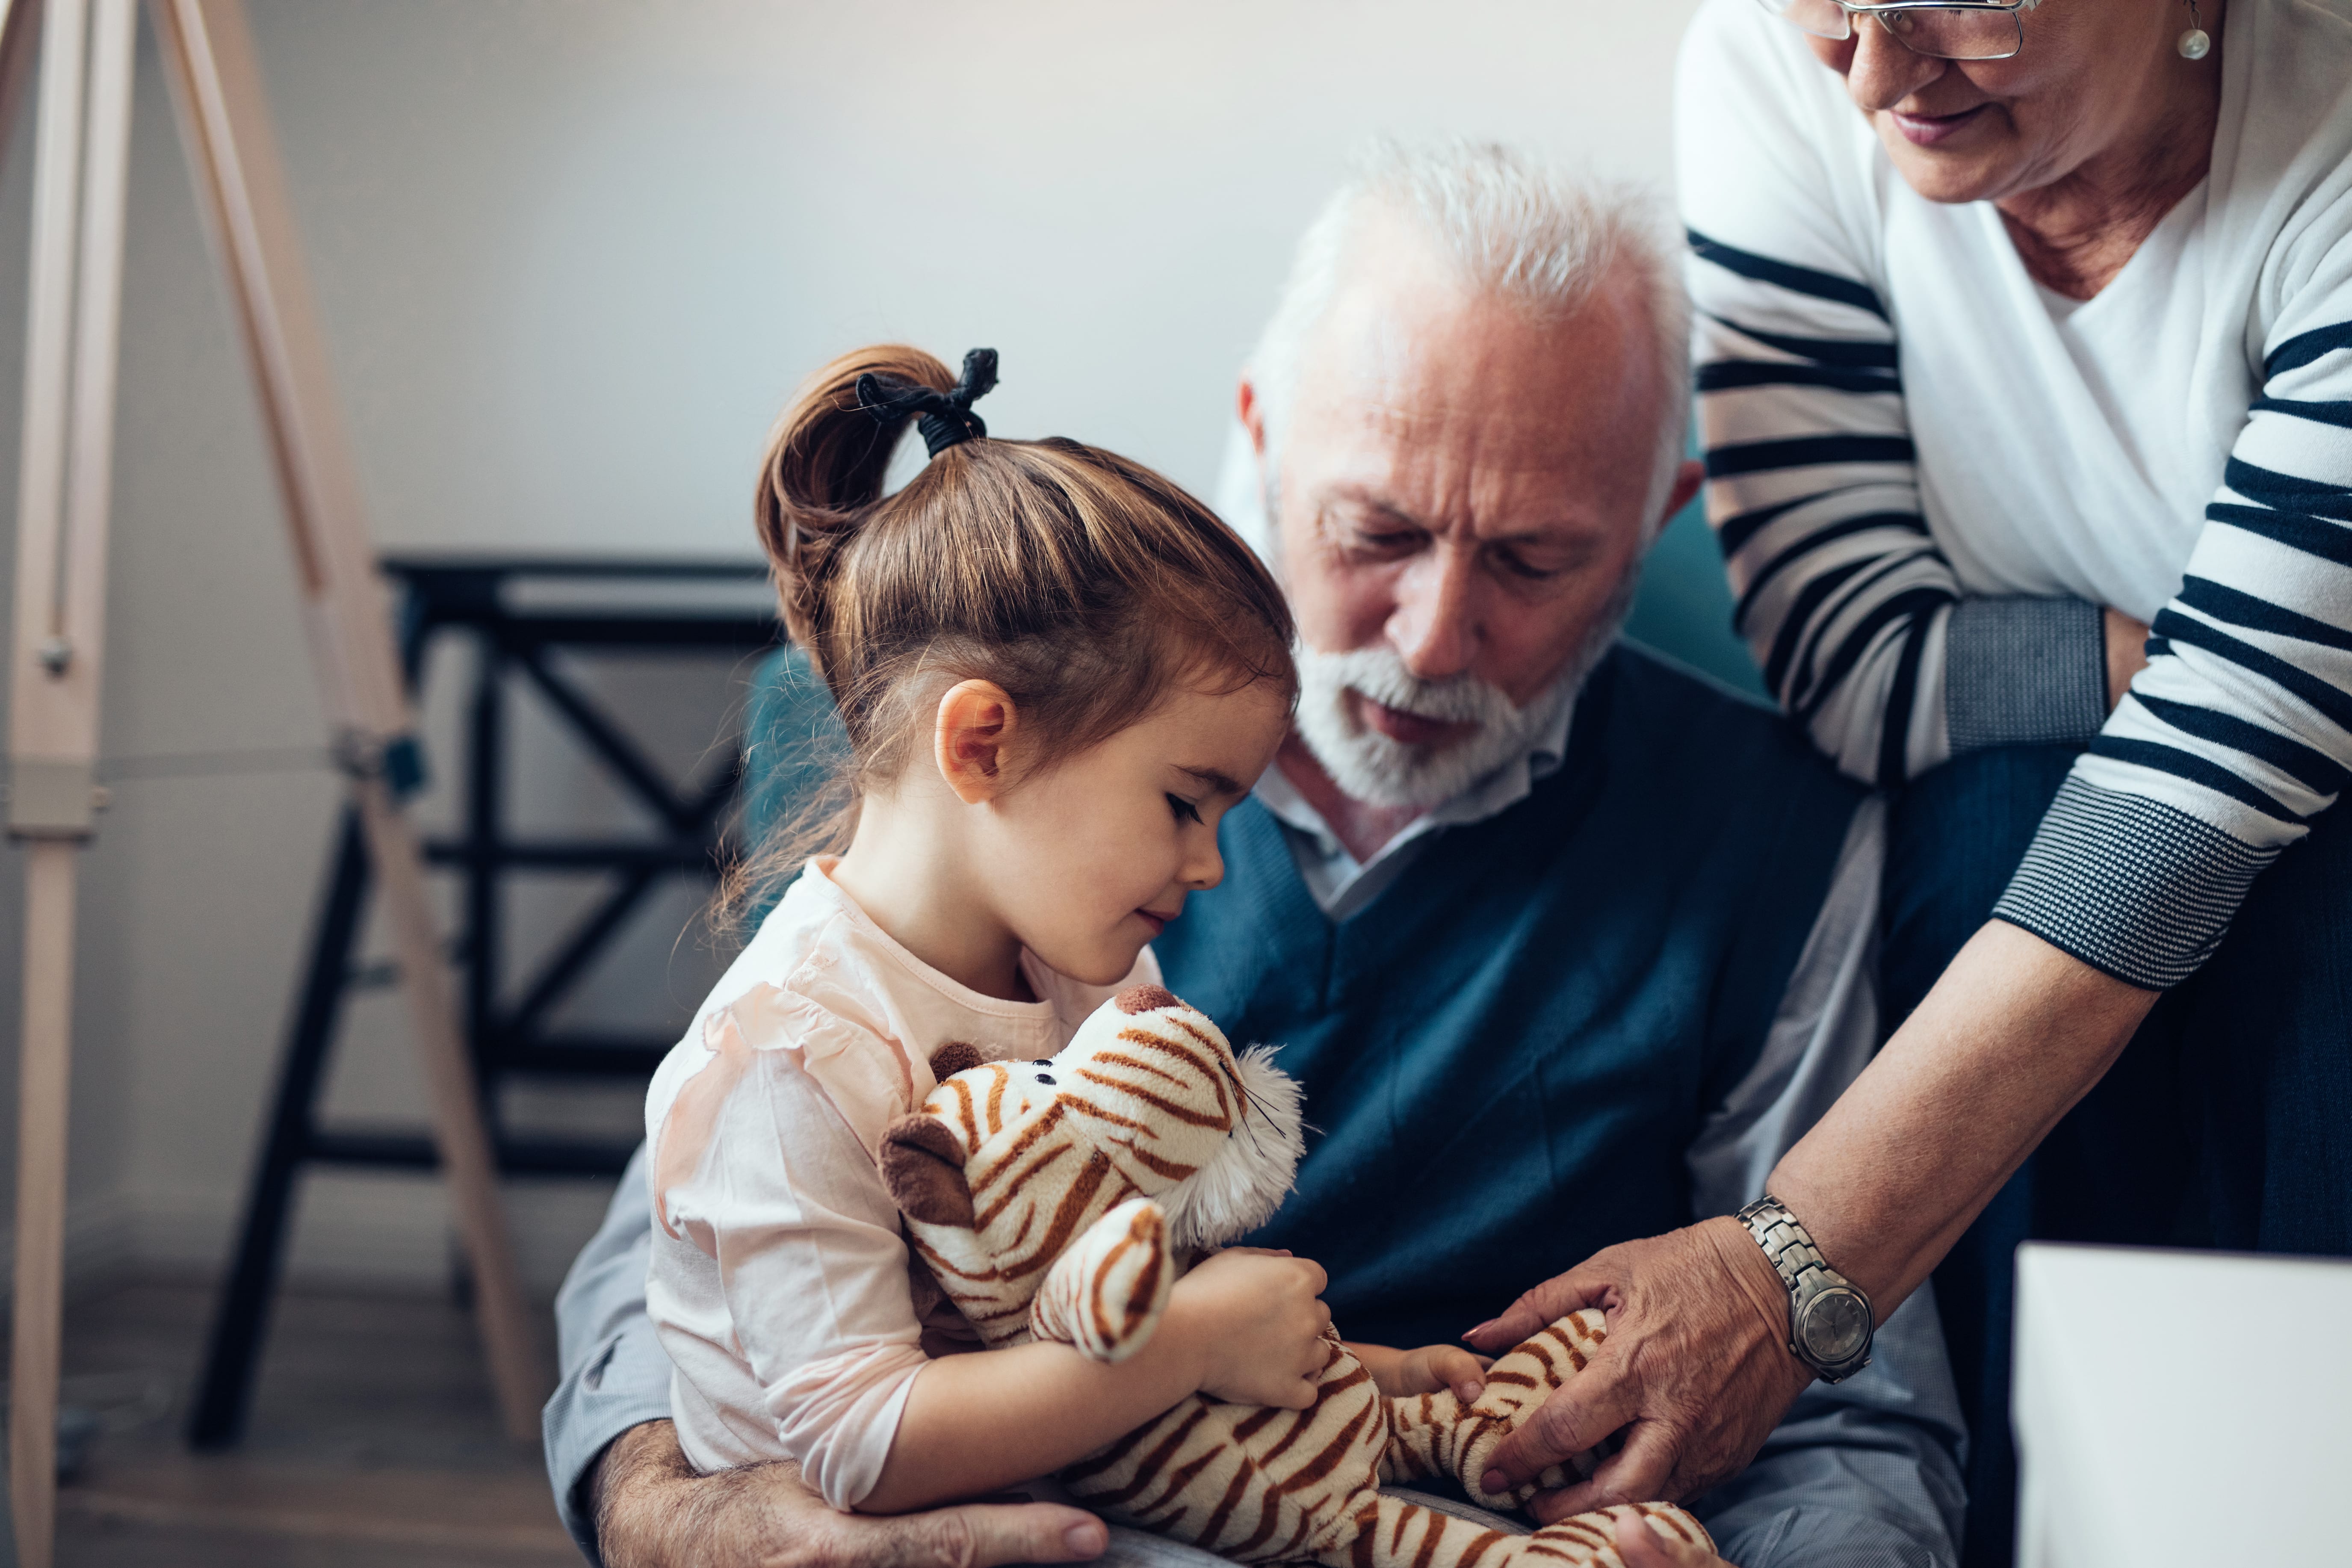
1565	945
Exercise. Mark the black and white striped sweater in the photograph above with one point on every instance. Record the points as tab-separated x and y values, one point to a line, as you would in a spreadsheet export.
1927	476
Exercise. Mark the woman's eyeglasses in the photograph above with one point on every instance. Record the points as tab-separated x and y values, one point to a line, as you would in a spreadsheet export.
1983	30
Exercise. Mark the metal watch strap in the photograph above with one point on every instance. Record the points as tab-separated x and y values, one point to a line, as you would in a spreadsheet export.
1789	1248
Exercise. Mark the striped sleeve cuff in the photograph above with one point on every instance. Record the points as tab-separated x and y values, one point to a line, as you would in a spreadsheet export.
2136	889
2024	672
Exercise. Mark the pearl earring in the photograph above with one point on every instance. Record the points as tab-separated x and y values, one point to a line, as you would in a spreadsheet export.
2196	43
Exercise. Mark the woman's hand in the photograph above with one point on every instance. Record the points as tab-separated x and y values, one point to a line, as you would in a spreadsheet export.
1399	1374
1643	1545
2126	653
1257	1320
1695	1369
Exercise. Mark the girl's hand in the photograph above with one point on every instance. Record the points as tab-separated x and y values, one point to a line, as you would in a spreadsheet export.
1258	1323
1432	1368
1644	1545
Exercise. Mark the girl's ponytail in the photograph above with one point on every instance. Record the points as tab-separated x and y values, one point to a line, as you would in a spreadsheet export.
1085	586
826	463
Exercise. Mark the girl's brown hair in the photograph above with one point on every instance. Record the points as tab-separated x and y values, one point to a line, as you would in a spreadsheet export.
1086	585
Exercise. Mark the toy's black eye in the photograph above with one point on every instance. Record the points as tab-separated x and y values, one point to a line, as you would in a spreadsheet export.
1045	1078
1041	1062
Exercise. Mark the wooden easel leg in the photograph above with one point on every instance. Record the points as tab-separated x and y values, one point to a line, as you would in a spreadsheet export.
59	637
45	1071
500	1312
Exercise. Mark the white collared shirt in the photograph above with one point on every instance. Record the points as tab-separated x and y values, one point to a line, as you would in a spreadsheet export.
1341	883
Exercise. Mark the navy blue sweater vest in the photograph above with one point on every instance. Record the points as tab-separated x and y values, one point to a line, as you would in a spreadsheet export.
1508	1051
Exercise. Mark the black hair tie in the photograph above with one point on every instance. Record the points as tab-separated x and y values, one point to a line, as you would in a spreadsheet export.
947	416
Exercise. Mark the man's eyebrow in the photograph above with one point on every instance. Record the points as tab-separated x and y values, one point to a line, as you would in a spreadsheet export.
1356	495
1559	530
1217	782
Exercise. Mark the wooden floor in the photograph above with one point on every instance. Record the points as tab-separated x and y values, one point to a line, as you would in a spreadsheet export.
374	1443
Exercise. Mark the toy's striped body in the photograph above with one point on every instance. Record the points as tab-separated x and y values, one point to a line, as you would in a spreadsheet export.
1278	1486
1034	1193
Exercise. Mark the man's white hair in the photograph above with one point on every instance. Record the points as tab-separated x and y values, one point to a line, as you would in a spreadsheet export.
1511	226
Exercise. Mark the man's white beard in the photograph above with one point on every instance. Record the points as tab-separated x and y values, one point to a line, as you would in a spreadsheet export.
1377	770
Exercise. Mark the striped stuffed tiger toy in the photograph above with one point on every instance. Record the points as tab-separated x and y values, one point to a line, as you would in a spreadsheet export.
1058	1200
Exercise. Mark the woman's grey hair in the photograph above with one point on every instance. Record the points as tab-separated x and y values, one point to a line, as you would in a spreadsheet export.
1511	225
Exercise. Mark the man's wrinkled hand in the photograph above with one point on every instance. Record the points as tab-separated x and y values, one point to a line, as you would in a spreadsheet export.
653	1511
1696	1371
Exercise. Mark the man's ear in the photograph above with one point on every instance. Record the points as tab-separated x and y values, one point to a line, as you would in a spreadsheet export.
973	740
1252	415
1687	478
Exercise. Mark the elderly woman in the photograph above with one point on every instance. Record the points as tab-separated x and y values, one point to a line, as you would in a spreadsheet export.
2025	364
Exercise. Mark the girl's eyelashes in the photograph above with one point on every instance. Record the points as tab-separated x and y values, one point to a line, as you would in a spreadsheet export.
1184	809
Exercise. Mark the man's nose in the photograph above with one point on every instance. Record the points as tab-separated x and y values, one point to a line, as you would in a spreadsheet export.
1882	72
1434	627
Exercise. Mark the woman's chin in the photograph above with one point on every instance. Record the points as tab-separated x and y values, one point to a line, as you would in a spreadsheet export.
1947	174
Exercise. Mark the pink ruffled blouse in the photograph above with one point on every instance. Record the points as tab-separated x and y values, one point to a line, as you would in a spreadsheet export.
779	1283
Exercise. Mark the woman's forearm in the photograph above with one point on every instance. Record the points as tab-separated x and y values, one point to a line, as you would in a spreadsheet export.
975	1424
2013	1034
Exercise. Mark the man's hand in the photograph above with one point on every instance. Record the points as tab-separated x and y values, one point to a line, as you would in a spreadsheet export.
1696	1369
653	1511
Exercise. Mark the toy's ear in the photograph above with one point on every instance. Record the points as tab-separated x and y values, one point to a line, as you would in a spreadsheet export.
1138	999
922	1166
953	1058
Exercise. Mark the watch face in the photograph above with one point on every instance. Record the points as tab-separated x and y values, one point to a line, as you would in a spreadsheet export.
1837	1326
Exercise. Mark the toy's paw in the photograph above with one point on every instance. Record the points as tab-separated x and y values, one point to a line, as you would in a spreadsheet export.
1107	1293
1589	1540
1515	1385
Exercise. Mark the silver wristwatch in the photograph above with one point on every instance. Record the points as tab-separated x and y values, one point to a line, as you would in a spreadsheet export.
1830	1320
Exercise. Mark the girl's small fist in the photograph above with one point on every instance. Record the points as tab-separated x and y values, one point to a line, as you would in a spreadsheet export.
1644	1545
1260	1324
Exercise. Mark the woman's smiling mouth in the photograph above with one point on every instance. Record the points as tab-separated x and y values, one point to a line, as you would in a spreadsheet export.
1927	130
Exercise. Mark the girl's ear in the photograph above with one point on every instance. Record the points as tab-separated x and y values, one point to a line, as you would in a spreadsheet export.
973	739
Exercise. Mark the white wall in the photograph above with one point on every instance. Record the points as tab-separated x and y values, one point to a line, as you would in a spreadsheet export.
572	257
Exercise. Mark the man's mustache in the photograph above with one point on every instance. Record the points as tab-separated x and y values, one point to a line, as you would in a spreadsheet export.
1379	675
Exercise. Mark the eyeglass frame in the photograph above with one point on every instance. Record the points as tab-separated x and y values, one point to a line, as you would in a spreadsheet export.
1852	8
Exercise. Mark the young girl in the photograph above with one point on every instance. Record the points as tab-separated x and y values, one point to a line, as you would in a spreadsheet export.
1056	672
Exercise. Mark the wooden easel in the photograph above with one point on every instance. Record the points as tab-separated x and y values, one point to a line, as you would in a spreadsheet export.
87	56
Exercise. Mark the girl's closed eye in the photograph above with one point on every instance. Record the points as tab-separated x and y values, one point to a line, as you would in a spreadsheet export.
1184	809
